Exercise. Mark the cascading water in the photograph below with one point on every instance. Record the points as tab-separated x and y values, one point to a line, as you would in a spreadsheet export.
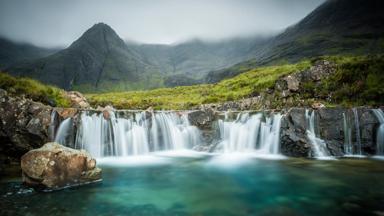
357	129
137	134
380	132
319	146
64	131
251	133
348	149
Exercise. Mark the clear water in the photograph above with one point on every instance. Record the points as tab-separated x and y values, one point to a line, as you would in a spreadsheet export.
212	185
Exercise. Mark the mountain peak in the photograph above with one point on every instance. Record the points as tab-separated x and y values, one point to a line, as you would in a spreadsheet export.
100	35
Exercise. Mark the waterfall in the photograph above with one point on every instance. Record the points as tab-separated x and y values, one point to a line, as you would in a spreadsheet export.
357	127
137	134
319	145
348	149
380	132
251	133
63	132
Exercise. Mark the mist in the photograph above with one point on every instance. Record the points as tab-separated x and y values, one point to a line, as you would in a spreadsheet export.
52	23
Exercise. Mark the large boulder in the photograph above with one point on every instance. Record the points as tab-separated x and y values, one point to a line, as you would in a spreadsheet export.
54	166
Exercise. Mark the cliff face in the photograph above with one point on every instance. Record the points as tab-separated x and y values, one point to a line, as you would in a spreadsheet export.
24	125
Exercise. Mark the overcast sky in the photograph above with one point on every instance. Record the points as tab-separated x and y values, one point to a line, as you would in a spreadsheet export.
60	22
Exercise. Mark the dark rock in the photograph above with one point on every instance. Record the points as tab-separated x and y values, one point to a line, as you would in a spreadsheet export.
23	125
293	140
202	118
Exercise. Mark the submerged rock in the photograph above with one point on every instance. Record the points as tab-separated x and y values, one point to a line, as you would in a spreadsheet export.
54	166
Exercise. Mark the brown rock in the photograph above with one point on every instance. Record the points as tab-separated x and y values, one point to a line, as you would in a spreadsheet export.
292	83
317	105
77	100
65	113
55	166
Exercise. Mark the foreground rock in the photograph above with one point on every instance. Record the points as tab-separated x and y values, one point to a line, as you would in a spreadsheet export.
54	166
24	126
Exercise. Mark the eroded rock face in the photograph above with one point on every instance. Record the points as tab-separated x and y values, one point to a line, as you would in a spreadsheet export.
329	126
77	100
293	139
54	166
23	126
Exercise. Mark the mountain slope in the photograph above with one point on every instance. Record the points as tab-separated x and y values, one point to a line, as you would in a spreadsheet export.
337	27
194	58
12	52
99	58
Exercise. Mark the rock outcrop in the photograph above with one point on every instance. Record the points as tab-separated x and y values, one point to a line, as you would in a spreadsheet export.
54	166
329	126
24	125
77	100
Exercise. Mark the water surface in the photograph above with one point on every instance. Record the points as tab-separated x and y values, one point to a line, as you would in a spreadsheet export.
194	184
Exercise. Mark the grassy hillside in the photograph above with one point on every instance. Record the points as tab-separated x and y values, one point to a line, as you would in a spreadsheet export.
357	81
34	90
245	85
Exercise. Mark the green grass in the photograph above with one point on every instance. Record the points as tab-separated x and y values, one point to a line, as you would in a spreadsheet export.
34	90
242	86
357	81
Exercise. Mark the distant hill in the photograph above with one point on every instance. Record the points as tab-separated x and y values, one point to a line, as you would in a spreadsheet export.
98	59
13	52
101	61
337	27
195	58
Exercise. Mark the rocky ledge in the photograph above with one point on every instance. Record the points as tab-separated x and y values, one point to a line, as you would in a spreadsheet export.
54	166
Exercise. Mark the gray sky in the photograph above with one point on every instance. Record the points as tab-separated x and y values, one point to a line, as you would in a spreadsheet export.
60	22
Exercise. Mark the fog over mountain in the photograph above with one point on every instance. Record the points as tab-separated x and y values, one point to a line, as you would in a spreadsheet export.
53	23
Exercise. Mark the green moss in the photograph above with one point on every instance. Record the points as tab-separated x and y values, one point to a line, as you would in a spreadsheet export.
34	90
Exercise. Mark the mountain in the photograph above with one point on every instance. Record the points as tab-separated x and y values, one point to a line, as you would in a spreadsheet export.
13	52
195	58
101	61
98	59
337	27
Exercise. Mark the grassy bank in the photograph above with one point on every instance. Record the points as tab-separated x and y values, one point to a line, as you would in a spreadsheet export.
34	90
244	85
357	81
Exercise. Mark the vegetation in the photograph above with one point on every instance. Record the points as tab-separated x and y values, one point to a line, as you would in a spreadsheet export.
244	85
34	90
357	81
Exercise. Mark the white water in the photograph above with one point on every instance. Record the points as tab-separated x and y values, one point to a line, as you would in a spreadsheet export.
380	132
133	135
251	133
319	146
64	131
357	128
348	150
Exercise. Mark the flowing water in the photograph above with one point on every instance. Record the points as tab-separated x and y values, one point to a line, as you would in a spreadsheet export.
251	133
319	146
357	129
211	185
348	148
135	134
380	132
